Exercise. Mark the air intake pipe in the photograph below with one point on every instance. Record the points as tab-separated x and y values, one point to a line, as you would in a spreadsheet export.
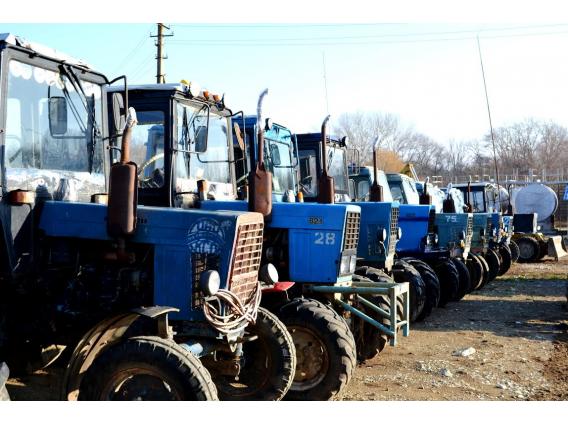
326	185
376	193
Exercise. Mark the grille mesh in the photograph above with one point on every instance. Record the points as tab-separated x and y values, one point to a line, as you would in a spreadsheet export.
488	233
469	230
246	262
393	229
352	231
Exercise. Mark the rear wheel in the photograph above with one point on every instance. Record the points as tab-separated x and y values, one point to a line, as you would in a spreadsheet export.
369	339
404	272
485	266
529	249
492	259
325	350
147	368
432	285
514	251
464	279
449	281
506	259
268	364
475	269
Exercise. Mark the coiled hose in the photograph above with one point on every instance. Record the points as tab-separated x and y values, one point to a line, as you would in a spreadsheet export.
227	314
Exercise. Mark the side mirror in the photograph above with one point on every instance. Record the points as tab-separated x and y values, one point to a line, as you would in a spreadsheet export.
275	155
118	111
57	116
201	139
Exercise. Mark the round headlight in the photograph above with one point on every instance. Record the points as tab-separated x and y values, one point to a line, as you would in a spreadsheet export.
268	274
436	239
399	233
382	234
462	235
482	232
210	282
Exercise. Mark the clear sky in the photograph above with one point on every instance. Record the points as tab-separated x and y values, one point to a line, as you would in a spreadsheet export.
428	74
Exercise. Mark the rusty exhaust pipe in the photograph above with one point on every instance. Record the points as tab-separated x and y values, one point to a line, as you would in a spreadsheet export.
468	197
123	186
260	180
326	186
376	193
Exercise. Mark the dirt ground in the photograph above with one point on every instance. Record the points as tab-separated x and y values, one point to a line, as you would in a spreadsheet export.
518	326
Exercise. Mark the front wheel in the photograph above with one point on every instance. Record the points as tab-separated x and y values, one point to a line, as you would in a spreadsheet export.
464	279
449	281
404	272
432	285
506	259
267	366
514	251
147	368
492	259
325	350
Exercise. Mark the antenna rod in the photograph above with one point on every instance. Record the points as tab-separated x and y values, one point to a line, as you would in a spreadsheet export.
490	123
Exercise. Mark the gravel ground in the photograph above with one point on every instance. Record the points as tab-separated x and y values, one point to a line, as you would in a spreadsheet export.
517	325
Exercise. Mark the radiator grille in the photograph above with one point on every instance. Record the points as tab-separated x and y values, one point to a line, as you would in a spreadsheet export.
246	262
352	231
469	230
393	229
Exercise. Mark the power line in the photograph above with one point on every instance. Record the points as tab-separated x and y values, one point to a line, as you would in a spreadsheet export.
131	54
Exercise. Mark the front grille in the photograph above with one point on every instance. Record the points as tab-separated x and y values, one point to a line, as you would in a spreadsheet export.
393	229
201	262
352	231
431	221
243	278
469	230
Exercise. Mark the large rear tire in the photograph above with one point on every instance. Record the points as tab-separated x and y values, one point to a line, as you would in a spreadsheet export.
514	251
268	365
147	368
404	272
475	271
529	249
370	341
506	259
325	350
494	263
432	285
449	281
464	279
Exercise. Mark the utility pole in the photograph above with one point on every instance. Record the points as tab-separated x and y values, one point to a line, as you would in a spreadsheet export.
160	75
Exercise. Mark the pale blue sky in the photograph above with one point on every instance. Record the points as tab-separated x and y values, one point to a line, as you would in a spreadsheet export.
428	74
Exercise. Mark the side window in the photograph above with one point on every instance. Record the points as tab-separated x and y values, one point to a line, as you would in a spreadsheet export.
213	165
13	138
147	148
363	190
308	173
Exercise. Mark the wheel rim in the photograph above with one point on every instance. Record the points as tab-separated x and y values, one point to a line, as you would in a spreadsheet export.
526	250
312	359
140	384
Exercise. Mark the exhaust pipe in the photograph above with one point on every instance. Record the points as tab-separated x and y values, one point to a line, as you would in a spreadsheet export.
326	186
425	198
123	187
376	193
260	180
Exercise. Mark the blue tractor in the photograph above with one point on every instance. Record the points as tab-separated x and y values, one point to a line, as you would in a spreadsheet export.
148	302
307	247
483	199
434	244
380	229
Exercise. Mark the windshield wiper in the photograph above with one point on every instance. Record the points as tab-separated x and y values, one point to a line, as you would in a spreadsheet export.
90	109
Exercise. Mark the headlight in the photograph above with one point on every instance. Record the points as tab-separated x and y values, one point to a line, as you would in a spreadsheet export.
347	264
399	233
436	239
482	232
382	234
462	235
268	274
210	281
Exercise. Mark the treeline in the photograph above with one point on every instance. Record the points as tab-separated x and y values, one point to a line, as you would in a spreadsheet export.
529	146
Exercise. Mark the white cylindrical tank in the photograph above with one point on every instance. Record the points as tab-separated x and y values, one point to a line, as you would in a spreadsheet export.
535	198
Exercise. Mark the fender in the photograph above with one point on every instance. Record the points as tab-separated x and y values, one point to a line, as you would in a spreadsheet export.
278	287
103	335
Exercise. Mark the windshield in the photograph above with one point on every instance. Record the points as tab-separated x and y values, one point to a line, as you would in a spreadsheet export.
337	168
199	129
278	154
147	148
410	192
308	173
59	154
476	198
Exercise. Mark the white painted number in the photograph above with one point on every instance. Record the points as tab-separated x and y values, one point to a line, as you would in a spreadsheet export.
325	238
